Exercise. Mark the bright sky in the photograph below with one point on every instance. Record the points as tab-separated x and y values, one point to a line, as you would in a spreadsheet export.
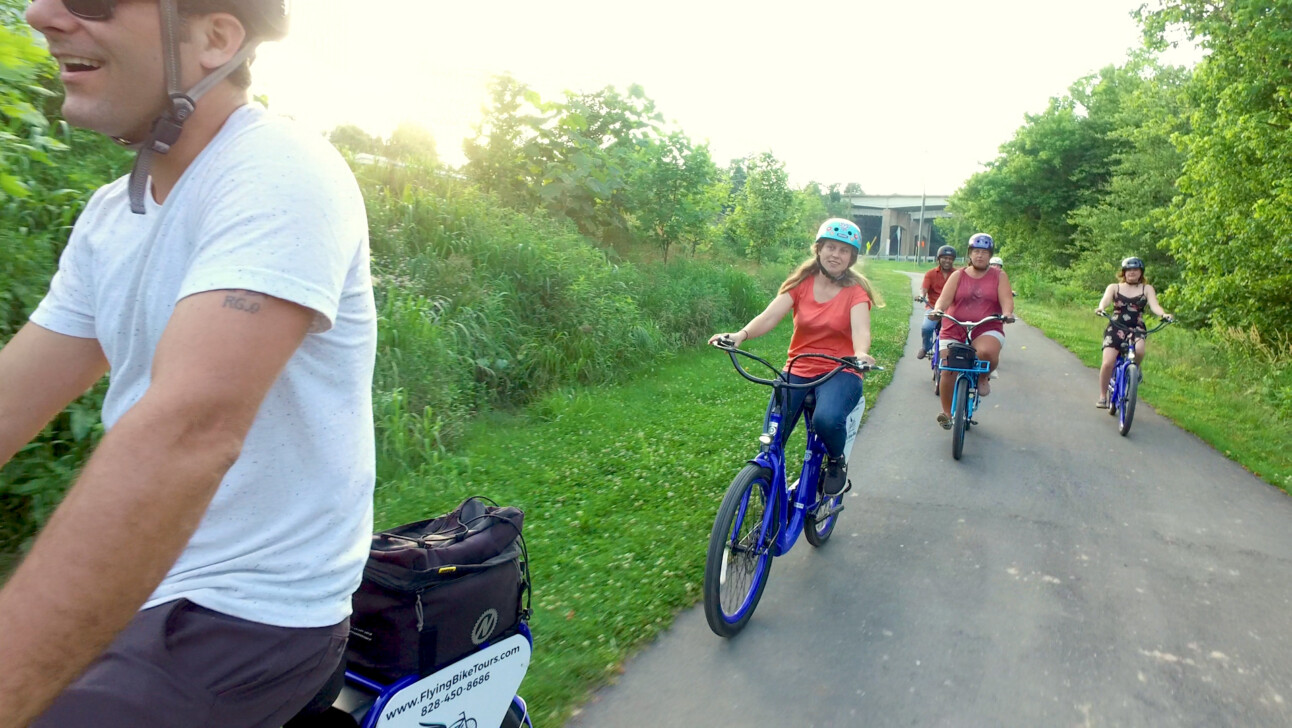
896	95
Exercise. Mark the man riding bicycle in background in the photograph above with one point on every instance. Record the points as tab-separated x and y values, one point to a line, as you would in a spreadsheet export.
199	572
934	281
971	294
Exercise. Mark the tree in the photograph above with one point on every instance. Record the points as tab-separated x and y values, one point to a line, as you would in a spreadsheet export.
410	142
1057	162
1229	226
766	217
1130	217
679	193
351	137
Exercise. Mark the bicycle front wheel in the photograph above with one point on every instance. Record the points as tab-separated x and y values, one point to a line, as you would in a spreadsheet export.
740	551
959	417
1128	400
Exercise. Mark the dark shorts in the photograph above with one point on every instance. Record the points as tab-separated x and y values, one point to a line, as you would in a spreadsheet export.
179	664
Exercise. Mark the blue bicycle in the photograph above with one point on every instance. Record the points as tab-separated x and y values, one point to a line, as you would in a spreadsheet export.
963	359
935	354
1123	387
763	514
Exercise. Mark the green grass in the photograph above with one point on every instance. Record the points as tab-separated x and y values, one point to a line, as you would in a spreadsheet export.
619	485
1234	395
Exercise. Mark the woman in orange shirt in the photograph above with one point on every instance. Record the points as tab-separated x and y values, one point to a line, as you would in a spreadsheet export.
831	304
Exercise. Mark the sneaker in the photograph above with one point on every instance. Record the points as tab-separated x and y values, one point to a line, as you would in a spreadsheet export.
835	477
921	353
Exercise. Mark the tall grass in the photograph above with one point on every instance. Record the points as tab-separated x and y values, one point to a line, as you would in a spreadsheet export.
484	307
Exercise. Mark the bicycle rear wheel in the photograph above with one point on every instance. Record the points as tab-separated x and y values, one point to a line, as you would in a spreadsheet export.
817	529
739	558
1128	399
959	417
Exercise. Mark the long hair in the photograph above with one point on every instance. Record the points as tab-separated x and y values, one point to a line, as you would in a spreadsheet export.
812	266
1143	277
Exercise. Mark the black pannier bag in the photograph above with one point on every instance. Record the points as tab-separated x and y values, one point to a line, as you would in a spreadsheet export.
961	356
436	590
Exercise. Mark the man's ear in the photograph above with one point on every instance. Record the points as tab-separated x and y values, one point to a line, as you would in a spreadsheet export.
218	37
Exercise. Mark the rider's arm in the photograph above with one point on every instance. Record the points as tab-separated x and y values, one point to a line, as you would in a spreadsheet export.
1152	302
948	293
860	315
1006	295
41	372
763	322
1108	297
142	494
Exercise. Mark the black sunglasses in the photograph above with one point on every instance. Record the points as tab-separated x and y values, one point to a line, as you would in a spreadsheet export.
91	9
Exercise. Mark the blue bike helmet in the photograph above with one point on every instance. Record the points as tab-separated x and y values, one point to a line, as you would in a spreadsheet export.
1132	263
982	241
845	231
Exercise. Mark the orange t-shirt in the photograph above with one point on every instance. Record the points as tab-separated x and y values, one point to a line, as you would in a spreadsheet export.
822	328
934	281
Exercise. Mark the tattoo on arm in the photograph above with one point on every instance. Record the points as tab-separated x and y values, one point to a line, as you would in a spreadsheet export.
247	301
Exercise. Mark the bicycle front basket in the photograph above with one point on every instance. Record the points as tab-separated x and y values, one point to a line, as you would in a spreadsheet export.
961	356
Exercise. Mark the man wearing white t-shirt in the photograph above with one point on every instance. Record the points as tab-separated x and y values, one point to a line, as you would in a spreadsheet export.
199	572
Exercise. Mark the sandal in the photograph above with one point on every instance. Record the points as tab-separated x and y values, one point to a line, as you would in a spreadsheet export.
1102	403
944	420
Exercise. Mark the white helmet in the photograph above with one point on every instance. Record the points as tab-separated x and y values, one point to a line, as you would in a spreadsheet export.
996	261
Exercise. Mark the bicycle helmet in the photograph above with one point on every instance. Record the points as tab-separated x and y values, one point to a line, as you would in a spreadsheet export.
982	241
845	231
947	250
1131	263
263	20
995	260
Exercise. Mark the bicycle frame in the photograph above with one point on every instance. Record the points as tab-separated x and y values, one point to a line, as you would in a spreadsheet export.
788	525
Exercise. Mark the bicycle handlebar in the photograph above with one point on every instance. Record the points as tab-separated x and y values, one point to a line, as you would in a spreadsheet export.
729	346
969	326
1162	325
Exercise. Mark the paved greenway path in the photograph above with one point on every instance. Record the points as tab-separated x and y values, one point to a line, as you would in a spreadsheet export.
1058	575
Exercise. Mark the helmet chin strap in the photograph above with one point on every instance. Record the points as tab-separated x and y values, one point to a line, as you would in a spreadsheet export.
168	126
827	273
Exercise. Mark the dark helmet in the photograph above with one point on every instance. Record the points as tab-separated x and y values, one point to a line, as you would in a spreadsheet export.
947	250
1131	263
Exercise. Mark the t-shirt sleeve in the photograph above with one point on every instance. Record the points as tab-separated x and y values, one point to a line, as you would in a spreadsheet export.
68	307
859	296
927	285
287	223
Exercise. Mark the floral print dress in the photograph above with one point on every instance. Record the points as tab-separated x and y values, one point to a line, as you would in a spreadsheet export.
1129	312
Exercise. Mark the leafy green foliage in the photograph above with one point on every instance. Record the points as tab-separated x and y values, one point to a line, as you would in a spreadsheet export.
573	157
1230	227
766	217
40	195
677	193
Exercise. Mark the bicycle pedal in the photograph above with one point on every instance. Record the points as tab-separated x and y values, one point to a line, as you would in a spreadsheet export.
830	512
973	422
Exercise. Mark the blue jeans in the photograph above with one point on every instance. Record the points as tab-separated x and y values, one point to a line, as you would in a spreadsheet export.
926	332
834	401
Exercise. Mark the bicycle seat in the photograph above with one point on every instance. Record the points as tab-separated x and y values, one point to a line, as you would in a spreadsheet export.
318	713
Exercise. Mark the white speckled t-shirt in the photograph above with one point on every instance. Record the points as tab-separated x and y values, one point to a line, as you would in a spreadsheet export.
265	207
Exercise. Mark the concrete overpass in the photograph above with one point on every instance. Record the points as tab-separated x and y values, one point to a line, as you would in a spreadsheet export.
895	224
